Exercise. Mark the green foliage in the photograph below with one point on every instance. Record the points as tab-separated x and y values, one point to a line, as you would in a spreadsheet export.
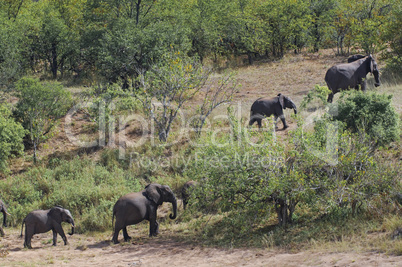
318	94
369	113
87	189
245	177
39	107
11	135
172	82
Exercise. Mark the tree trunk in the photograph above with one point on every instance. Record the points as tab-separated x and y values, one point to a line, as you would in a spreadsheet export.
53	62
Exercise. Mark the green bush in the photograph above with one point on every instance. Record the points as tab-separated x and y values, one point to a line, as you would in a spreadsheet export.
369	113
39	107
87	189
247	177
11	136
316	97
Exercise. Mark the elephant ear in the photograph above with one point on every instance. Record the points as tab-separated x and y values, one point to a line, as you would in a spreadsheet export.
154	193
281	101
55	214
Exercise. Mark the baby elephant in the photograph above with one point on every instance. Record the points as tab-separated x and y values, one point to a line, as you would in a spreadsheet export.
186	192
42	221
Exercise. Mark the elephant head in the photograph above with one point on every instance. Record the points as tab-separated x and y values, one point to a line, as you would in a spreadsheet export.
374	71
59	214
286	102
162	193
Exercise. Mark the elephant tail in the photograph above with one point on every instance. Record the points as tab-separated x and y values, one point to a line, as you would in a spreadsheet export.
22	227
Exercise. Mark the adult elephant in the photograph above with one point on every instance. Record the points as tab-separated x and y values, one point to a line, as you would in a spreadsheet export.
355	57
265	107
42	221
351	75
186	192
135	207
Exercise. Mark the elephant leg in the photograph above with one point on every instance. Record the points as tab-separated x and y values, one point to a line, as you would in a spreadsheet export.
1	231
59	230
125	235
156	228
363	85
28	237
116	236
54	237
117	227
330	97
4	218
259	121
282	117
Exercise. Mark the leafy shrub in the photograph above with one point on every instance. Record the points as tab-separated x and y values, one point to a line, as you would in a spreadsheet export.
87	189
39	108
316	97
246	181
11	135
369	113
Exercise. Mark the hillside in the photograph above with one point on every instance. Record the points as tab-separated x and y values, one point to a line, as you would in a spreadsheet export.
356	244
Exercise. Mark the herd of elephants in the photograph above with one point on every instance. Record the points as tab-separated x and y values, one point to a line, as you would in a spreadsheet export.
135	207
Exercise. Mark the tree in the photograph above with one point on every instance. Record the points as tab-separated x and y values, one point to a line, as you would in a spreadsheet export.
167	86
39	107
11	136
321	14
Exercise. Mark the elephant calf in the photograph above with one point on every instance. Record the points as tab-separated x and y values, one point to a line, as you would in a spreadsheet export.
42	221
186	192
265	107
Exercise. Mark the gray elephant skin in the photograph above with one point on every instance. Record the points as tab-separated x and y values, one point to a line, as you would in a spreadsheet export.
351	75
186	192
42	221
355	57
135	207
3	210
265	107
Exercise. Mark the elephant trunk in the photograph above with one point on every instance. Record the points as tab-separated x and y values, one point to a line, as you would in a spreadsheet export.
376	78
72	228
294	107
174	206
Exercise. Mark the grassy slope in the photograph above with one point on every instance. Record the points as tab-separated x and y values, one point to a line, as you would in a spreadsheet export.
293	76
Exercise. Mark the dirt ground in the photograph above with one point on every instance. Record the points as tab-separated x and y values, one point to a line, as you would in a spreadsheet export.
84	250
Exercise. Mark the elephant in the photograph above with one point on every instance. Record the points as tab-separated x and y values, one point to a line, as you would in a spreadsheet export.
265	107
42	221
3	209
354	58
351	75
186	192
135	207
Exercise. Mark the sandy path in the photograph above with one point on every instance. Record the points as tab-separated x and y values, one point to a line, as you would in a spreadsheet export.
96	251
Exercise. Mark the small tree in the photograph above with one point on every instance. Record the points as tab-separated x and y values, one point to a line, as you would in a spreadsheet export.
11	135
216	93
39	107
167	86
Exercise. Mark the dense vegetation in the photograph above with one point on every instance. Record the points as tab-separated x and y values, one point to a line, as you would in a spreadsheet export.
154	58
115	40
